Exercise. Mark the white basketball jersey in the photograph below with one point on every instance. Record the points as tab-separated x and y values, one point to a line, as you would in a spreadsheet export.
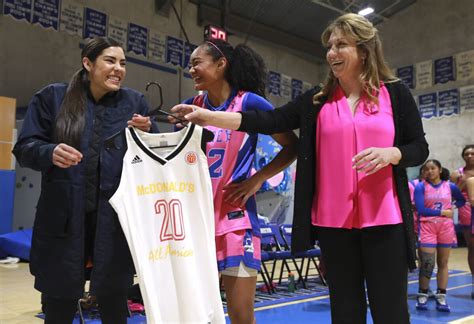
164	204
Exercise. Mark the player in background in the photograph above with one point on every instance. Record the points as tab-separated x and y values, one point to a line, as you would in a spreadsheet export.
459	177
234	80
433	200
470	191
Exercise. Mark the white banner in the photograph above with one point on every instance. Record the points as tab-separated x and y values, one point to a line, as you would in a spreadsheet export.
465	65
157	46
72	18
285	86
117	30
306	86
424	74
467	98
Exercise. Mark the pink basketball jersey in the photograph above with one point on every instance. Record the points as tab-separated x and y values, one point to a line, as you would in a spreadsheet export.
437	197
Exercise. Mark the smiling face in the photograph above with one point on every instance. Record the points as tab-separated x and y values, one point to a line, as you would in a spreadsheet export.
432	172
107	72
344	57
204	70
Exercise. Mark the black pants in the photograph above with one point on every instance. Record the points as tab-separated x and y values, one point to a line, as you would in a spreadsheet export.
375	256
112	309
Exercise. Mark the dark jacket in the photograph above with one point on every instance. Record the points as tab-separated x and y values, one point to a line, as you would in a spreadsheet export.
57	251
302	113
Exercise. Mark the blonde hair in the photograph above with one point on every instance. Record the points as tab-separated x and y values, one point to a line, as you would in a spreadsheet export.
374	69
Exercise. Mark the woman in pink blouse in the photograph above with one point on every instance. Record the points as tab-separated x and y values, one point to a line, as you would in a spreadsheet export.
358	133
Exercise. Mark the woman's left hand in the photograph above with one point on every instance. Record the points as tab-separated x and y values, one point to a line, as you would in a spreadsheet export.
237	194
141	122
373	159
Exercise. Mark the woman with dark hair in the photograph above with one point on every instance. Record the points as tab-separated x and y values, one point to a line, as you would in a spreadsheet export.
63	137
358	133
234	80
433	200
459	177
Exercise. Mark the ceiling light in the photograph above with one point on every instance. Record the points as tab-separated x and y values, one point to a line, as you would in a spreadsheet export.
366	11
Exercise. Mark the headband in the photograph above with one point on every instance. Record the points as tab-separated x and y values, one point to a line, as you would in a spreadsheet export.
217	48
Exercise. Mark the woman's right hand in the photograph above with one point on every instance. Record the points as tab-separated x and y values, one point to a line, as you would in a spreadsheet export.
205	117
65	156
191	113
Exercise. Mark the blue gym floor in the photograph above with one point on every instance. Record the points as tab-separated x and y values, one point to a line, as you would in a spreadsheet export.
312	305
316	309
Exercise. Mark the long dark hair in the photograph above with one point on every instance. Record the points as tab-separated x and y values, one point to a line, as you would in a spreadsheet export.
246	71
71	118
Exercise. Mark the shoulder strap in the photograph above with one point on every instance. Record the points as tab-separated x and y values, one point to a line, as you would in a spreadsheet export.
199	100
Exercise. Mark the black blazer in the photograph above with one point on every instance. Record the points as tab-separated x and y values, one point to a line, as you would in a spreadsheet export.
302	113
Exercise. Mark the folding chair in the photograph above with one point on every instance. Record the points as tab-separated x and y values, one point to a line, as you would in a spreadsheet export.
311	254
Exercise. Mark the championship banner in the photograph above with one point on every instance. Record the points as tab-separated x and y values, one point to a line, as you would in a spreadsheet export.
274	81
137	39
18	9
444	70
174	51
157	46
424	74
285	86
72	18
465	66
448	102
117	30
296	88
407	75
427	104
46	13
188	50
95	23
306	86
466	95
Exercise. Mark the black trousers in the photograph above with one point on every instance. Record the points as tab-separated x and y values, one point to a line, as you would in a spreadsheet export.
112	308
375	256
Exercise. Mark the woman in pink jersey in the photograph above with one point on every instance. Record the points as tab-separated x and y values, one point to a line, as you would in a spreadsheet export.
433	198
358	133
459	177
234	81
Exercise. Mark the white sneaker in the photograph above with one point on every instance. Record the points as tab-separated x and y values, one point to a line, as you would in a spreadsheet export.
422	301
441	303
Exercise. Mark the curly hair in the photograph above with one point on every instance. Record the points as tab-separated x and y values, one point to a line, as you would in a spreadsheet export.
246	71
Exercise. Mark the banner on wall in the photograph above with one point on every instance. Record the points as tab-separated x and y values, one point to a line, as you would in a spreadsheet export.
465	65
117	29
424	74
18	9
157	46
174	51
285	86
407	75
46	13
274	80
427	105
95	23
137	39
448	102
466	95
306	86
296	88
72	18
444	70
188	50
